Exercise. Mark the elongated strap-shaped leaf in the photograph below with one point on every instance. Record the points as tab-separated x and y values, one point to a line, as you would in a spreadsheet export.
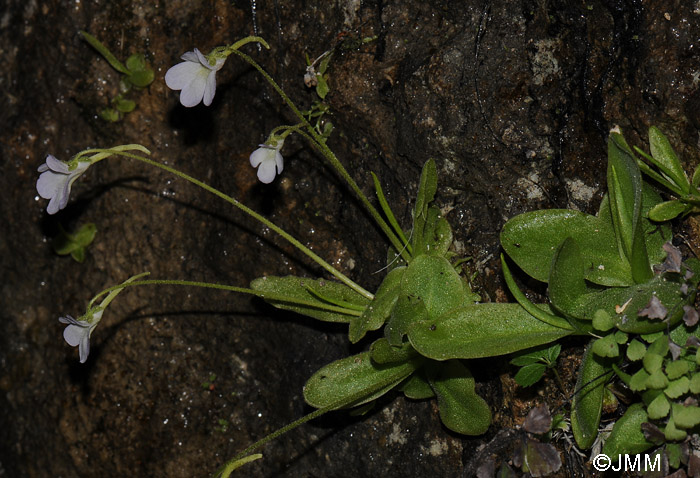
627	436
481	330
587	402
666	160
301	288
625	191
426	194
379	309
461	409
350	376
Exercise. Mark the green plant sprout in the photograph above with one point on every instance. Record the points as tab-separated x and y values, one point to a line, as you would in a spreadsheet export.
75	244
598	269
601	280
136	74
667	171
535	363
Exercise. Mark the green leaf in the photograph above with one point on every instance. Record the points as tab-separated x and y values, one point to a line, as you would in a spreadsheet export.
300	289
652	362
685	416
626	436
625	190
672	433
102	50
322	88
142	78
481	330
568	291
677	369
75	244
426	195
677	388
666	160
382	352
636	350
530	374
657	380
136	62
532	238
354	376
659	407
429	288
694	384
602	321
587	403
668	210
638	381
416	387
110	114
547	355
124	106
461	409
673	452
379	309
606	347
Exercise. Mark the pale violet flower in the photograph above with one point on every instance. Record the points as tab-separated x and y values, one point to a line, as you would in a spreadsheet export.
55	181
196	77
268	160
78	331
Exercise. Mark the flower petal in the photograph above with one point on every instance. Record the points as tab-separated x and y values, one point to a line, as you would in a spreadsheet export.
84	347
259	155
209	89
55	164
267	172
279	160
191	56
182	74
49	183
202	59
193	93
74	334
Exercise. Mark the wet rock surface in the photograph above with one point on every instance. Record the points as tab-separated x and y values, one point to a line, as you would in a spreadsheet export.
513	100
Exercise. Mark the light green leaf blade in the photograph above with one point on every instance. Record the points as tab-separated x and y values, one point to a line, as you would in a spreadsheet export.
481	330
667	161
461	409
587	403
297	288
626	435
351	376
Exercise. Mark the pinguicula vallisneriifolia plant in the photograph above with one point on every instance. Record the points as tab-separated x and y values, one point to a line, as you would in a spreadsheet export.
430	316
136	74
607	278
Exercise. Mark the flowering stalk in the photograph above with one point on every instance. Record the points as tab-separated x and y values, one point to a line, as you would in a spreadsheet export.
228	467
332	270
318	142
270	296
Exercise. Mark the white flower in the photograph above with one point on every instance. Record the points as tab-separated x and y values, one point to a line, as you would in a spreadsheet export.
55	181
196	77
268	160
78	332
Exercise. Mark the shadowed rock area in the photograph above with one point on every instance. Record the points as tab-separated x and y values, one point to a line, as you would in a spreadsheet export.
513	99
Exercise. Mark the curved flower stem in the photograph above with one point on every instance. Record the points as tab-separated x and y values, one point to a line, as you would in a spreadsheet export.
332	270
208	285
349	400
320	144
